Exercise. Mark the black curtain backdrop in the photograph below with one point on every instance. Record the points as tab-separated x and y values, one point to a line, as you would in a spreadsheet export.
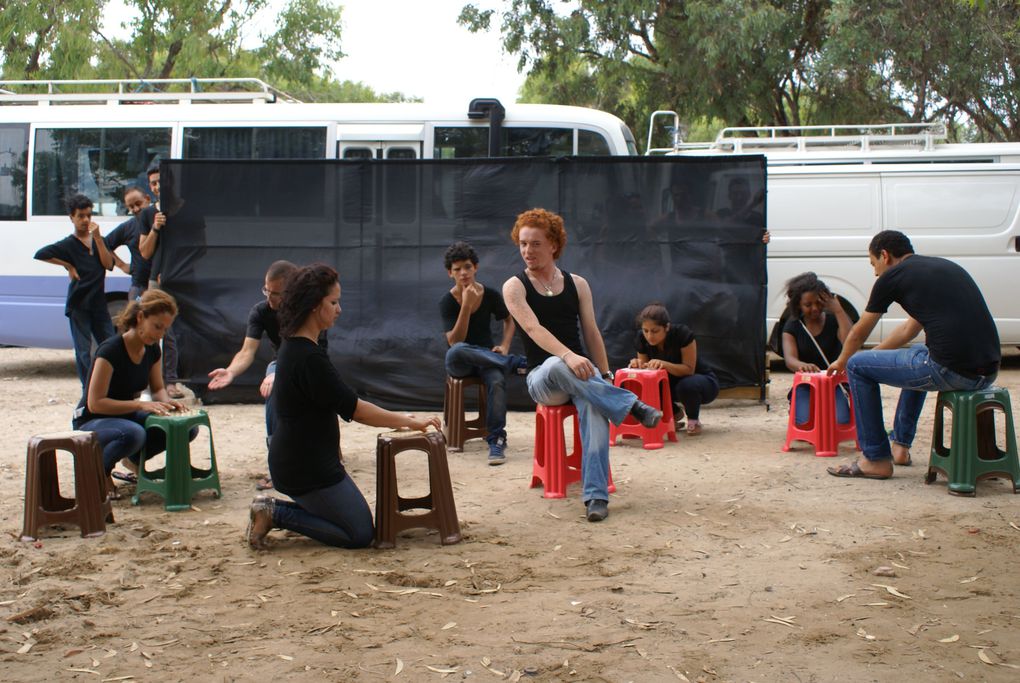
685	232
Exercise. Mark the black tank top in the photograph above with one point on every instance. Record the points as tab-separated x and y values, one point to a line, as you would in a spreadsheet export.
559	314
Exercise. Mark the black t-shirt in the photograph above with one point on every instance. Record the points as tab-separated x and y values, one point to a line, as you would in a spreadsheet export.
129	379
89	290
262	319
127	234
308	394
959	330
479	332
560	315
828	339
677	337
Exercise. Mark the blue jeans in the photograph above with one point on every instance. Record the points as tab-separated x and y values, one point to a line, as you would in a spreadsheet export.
87	323
598	402
270	416
693	391
915	373
336	515
124	437
804	405
468	360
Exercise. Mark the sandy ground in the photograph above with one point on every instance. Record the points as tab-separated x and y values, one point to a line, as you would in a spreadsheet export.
724	559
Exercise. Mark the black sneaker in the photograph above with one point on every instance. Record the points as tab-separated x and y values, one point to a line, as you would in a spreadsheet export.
645	414
497	448
596	509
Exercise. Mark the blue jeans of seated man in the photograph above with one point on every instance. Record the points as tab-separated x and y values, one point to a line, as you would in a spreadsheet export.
87	323
124	437
913	371
270	417
468	360
804	405
336	515
598	403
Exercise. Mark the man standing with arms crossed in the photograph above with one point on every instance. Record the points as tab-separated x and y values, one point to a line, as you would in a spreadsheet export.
551	307
961	350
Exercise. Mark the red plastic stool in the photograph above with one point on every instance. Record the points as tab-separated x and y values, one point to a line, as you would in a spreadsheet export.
651	387
821	429
553	467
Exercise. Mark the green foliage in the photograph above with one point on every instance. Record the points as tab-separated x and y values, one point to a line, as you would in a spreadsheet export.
47	39
771	62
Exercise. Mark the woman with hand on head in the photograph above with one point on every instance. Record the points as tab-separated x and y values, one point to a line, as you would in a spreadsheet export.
126	365
661	345
308	394
813	337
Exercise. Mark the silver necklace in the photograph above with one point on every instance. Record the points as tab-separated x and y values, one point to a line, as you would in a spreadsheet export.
548	287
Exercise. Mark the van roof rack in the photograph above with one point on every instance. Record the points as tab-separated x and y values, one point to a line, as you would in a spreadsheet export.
804	139
141	91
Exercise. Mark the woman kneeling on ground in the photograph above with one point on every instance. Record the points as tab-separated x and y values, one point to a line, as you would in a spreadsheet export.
813	337
308	394
126	365
663	346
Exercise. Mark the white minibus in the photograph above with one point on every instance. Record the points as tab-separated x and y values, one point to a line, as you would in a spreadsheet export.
58	138
831	188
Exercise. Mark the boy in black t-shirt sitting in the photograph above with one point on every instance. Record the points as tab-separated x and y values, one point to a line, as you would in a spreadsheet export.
467	310
961	350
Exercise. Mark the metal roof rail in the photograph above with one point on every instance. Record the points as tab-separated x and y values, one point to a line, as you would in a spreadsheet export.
857	137
140	91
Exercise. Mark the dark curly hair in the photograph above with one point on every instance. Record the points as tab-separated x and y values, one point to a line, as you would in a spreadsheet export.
459	251
798	286
305	289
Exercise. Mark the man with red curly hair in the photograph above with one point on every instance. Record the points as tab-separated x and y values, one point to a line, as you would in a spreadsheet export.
554	311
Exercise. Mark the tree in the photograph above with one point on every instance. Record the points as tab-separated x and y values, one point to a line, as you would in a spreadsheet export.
44	39
771	62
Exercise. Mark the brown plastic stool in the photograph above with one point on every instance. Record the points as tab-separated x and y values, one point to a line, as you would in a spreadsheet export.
389	506
455	428
90	508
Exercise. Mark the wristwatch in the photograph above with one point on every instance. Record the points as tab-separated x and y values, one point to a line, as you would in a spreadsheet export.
608	376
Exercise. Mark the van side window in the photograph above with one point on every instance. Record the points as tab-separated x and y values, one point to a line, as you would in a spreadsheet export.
591	144
265	142
537	142
97	162
13	160
460	142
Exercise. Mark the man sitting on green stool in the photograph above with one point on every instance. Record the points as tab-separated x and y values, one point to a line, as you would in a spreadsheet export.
961	349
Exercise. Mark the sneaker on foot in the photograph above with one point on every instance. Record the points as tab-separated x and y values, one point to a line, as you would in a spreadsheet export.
596	509
645	414
497	448
679	417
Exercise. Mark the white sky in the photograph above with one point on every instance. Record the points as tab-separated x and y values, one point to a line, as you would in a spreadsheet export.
412	46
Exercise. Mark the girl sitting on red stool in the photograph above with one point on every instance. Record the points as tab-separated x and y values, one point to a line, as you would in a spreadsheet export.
663	346
813	337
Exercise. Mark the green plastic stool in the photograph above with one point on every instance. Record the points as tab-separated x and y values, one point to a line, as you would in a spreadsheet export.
972	454
178	481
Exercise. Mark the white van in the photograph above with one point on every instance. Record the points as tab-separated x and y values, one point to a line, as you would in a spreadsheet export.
831	188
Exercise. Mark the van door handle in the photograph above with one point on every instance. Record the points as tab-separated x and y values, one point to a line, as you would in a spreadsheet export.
1016	243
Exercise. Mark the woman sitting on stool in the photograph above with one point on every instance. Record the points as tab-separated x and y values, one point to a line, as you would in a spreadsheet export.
813	337
126	365
308	394
662	346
